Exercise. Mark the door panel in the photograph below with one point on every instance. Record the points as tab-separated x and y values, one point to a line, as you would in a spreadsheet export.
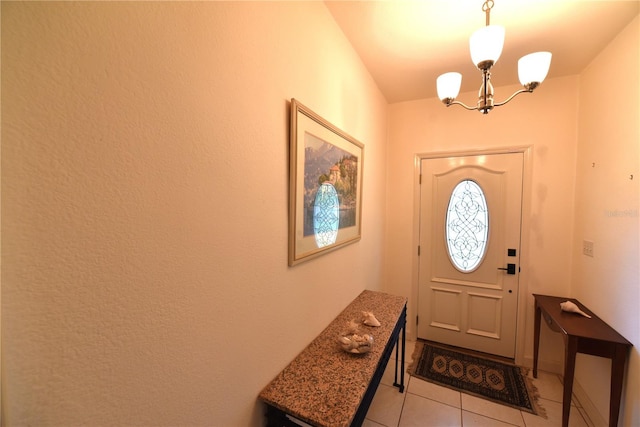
484	315
474	309
446	306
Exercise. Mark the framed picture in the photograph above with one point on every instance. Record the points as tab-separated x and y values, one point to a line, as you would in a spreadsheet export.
325	186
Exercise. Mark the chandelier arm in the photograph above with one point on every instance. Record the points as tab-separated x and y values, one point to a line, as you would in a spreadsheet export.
461	104
497	104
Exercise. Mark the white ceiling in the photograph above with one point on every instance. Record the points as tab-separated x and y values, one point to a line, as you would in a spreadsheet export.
407	44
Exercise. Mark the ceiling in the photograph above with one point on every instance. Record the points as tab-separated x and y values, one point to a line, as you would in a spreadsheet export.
407	44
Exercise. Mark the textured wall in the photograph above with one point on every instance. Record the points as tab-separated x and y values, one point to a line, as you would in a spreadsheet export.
608	212
144	205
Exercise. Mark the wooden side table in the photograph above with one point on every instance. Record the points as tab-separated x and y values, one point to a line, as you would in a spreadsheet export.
581	335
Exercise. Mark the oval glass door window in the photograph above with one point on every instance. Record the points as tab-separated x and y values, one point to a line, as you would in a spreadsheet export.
326	219
467	226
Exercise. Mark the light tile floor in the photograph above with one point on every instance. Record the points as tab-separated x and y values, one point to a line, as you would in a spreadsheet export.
425	404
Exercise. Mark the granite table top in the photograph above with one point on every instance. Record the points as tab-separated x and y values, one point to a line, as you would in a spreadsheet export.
324	385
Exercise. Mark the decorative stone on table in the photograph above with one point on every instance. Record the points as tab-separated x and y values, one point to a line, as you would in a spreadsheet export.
354	341
369	319
572	308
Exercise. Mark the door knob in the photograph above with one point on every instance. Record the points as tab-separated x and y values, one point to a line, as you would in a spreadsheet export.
511	268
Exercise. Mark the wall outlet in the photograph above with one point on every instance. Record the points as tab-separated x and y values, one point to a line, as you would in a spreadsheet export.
587	248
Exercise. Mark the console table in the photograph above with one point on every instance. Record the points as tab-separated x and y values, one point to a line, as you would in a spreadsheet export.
581	335
326	386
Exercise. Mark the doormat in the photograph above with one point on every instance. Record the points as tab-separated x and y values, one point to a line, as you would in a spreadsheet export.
482	377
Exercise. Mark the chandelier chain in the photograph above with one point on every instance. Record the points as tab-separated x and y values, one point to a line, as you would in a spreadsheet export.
486	8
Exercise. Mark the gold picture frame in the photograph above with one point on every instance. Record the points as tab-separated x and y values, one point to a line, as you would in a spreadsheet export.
325	186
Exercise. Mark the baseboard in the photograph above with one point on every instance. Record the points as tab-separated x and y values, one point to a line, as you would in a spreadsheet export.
588	408
543	365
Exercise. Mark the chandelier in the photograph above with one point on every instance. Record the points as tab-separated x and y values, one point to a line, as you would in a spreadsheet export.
486	46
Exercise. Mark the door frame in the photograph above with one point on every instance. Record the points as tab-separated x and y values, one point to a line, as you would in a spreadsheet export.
523	294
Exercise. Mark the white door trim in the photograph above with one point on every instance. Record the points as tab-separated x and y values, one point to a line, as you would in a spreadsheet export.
523	295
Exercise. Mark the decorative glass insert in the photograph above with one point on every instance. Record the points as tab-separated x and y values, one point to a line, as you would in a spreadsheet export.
467	226
326	217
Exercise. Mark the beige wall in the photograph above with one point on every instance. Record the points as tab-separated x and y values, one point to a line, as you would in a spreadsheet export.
607	211
144	206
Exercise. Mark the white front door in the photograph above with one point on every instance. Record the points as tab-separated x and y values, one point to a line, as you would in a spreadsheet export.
470	216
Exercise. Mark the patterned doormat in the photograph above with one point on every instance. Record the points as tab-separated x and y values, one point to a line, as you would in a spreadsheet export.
489	379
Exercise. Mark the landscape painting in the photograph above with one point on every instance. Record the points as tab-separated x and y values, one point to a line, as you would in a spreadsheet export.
325	166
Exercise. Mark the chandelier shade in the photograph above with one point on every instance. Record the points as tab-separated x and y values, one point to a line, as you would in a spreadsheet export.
486	45
448	85
533	68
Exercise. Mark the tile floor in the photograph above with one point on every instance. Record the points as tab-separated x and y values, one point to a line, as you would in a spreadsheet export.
428	405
